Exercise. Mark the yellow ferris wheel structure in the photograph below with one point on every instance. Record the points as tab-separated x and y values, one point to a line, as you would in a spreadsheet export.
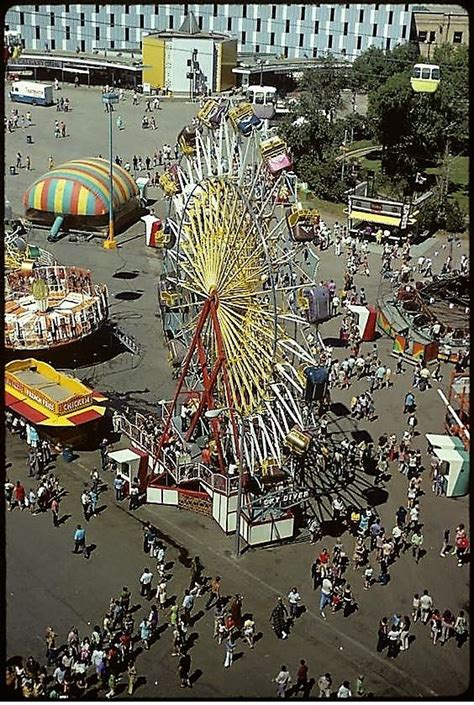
231	290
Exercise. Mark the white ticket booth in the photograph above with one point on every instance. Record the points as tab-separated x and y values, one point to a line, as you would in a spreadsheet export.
131	464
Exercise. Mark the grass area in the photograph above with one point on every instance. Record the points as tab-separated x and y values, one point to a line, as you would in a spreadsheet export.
326	208
458	179
360	144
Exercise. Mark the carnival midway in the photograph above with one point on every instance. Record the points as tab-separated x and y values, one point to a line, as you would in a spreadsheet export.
248	411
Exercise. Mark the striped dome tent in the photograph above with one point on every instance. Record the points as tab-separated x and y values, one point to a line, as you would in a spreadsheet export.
80	188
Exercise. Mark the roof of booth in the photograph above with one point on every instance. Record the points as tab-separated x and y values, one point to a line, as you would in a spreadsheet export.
80	187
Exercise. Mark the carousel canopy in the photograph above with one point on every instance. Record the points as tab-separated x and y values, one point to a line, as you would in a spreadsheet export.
80	187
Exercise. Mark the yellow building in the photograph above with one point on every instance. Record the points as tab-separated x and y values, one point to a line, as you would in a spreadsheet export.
440	24
189	61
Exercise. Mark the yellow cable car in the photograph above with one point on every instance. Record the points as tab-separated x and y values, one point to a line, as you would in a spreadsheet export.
425	78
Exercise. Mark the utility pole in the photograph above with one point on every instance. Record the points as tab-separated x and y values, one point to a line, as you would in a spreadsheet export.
110	243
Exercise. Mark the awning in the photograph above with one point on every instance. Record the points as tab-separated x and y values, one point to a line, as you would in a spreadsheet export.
437	440
377	218
86	416
124	456
24	409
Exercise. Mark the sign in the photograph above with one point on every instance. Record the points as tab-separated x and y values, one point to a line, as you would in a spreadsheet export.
35	395
375	205
283	499
75	403
404	218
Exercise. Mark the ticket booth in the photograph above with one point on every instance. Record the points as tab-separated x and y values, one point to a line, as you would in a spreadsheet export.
455	466
131	464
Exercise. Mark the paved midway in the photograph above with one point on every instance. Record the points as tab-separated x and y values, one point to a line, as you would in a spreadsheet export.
48	585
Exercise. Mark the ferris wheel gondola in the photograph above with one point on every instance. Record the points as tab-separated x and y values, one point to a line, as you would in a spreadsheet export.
425	78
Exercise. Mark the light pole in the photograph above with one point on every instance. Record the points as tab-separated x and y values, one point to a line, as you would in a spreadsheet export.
213	414
110	243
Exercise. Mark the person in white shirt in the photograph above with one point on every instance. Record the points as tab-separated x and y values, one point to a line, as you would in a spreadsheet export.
344	691
283	681
293	600
326	594
145	583
426	603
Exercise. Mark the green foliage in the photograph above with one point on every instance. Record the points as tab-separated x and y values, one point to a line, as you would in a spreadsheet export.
441	213
324	84
374	67
455	218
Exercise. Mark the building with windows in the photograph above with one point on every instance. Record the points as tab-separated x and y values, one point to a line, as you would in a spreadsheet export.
439	24
189	60
287	30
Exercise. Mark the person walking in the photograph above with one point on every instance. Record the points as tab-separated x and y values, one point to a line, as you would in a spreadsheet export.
324	685
118	487
184	666
436	625
144	631
325	596
79	539
393	637
145	583
229	646
301	680
283	681
161	593
426	604
85	502
249	631
279	619
112	683
460	629
215	593
447	625
187	606
293	600
416	543
344	691
382	634
131	676
416	608
404	633
445	545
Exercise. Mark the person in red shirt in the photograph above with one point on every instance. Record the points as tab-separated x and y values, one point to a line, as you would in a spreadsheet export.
301	677
324	556
206	456
19	494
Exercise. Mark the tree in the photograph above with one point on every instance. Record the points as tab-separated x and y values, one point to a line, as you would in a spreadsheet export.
374	67
325	84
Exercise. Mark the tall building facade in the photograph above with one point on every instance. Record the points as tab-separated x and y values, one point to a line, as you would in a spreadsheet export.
295	31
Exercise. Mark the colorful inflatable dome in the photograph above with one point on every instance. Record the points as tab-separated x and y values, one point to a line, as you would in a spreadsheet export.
79	191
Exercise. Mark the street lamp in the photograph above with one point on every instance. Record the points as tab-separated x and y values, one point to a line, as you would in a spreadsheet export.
110	243
213	414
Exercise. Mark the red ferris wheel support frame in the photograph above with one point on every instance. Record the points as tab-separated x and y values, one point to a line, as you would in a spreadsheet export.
209	380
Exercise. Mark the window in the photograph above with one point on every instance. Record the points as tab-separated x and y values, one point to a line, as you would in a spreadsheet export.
83	44
51	18
127	34
229	24
66	8
68	32
272	39
359	42
404	31
301	40
287	25
315	52
200	21
422	36
22	18
53	44
387	44
347	6
285	52
112	20
214	11
432	36
303	13
97	9
390	17
361	15
377	6
330	41
83	20
157	9
331	16
185	9
259	24
244	37
316	27
170	21
37	33
112	44
37	8
274	12
142	21
244	10
407	8
127	9
374	30
457	38
257	48
97	33
346	28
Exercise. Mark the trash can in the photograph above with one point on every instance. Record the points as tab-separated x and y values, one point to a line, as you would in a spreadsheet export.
12	170
29	139
67	455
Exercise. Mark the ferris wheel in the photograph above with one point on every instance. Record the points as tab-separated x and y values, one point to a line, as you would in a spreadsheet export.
234	288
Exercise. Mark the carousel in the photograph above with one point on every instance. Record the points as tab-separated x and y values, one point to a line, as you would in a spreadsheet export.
51	307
